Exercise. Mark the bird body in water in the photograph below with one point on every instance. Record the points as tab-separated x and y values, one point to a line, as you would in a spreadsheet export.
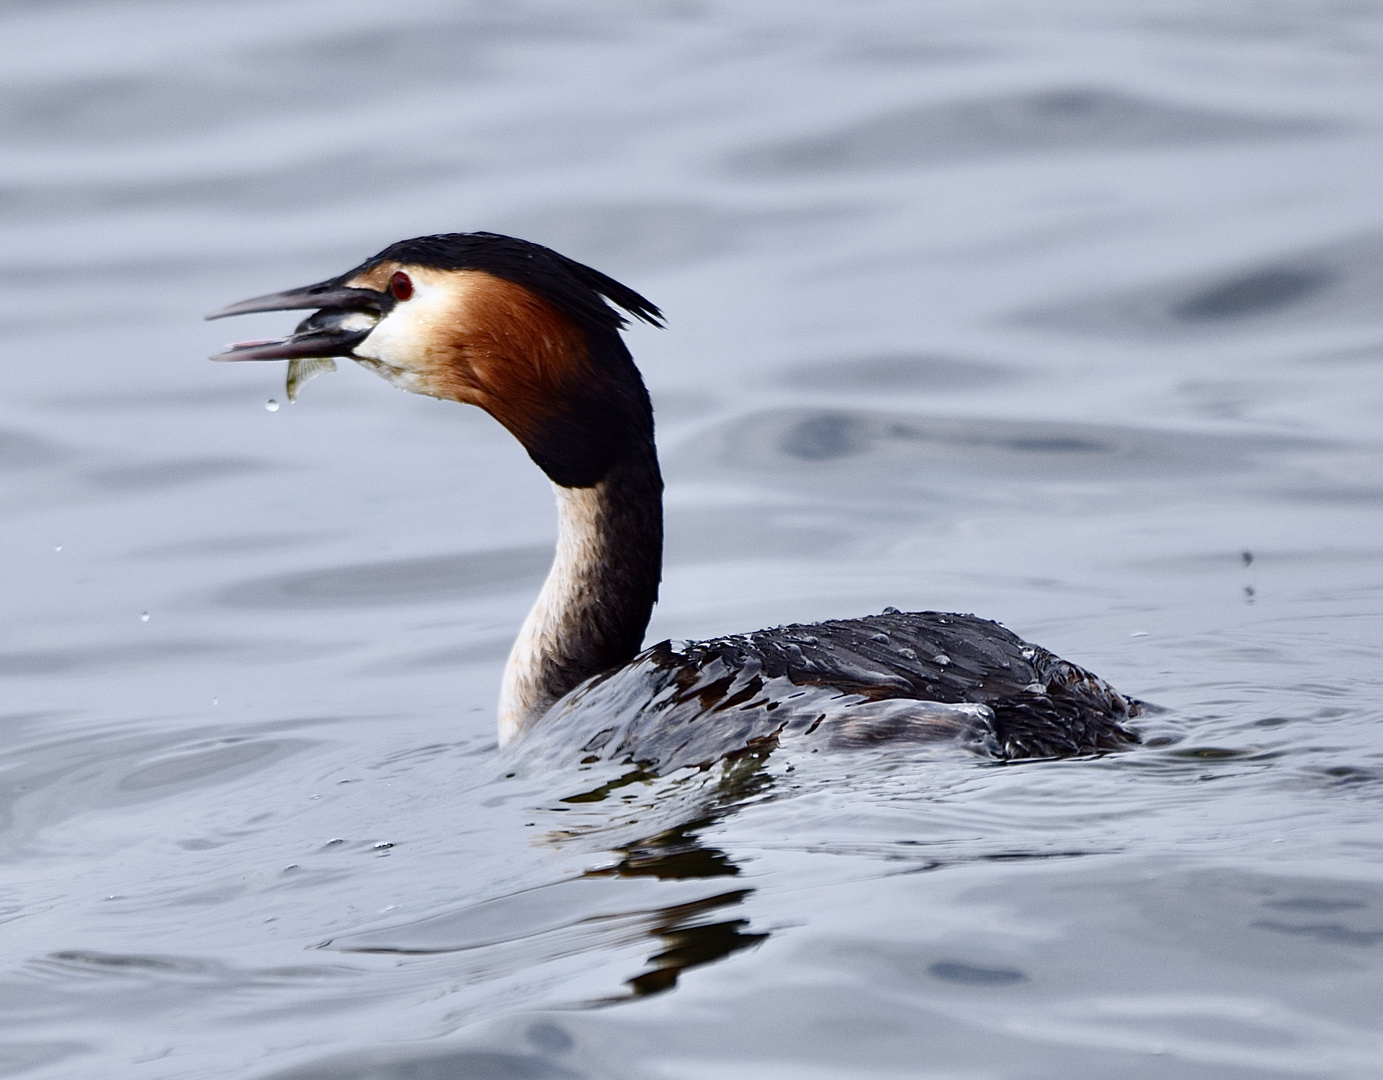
532	338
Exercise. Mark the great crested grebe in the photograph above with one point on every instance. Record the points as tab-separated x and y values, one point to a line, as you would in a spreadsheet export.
530	337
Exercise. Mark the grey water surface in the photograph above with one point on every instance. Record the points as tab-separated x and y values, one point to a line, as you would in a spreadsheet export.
1068	313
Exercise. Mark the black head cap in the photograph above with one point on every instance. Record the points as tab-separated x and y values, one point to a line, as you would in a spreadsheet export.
575	289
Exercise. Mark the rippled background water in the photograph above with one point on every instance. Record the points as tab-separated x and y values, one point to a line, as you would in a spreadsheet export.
1067	313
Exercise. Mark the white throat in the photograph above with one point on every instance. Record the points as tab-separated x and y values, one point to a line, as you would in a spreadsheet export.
554	627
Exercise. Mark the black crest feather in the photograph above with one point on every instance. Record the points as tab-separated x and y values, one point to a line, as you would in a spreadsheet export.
575	289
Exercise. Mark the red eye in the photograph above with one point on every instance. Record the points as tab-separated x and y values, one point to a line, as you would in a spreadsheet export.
401	285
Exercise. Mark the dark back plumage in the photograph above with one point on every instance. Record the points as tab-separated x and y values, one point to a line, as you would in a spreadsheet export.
846	682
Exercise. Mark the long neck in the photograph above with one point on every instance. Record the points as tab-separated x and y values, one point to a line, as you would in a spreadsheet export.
595	605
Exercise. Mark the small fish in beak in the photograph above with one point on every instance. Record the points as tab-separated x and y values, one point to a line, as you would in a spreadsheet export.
302	372
346	318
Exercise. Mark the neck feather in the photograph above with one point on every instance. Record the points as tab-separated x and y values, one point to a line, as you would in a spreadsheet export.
599	594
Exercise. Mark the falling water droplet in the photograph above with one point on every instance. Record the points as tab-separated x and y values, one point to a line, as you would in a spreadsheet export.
216	701
58	547
143	616
272	405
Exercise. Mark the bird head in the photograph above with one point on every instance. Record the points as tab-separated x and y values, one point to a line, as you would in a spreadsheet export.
524	333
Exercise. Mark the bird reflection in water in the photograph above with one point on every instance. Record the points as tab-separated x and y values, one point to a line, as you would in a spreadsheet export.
688	939
649	893
678	854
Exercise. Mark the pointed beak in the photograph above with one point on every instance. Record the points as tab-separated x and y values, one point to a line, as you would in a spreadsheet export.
345	319
325	294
